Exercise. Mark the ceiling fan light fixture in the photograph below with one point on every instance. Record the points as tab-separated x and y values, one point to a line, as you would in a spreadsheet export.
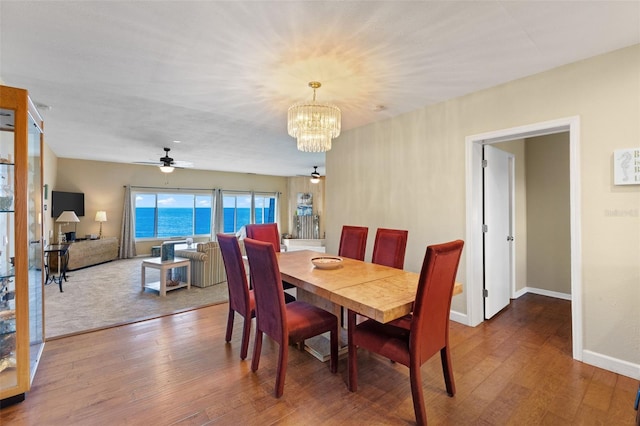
166	162
315	176
313	123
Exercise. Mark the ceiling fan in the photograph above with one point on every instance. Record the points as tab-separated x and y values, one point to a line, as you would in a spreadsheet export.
315	176
166	163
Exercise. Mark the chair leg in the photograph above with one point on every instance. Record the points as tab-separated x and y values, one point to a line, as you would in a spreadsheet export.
288	298
229	325
447	370
257	347
416	393
333	362
282	368
246	330
353	352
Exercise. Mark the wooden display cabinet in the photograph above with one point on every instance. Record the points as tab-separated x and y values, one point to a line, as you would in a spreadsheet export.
21	277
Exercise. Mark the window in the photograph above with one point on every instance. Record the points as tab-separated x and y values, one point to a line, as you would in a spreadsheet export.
238	210
170	215
265	208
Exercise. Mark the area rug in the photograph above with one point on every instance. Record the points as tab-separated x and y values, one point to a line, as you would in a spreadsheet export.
110	294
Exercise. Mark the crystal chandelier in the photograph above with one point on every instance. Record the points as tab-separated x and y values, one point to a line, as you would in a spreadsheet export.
314	124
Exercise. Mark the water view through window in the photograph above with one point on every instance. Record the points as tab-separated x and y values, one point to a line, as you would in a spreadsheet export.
172	215
164	215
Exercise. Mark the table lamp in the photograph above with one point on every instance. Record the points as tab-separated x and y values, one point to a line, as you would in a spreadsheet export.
101	216
66	217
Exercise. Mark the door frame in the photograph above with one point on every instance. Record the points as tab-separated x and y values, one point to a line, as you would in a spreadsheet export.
474	198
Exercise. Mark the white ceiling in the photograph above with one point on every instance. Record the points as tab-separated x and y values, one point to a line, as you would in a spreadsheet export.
124	79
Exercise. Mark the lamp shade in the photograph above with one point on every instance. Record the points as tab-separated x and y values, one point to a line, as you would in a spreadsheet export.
101	216
68	216
166	169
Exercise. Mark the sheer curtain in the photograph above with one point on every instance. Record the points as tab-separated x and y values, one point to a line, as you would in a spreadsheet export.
127	239
218	214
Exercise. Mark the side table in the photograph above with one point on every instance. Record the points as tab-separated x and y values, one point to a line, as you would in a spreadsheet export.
164	267
62	252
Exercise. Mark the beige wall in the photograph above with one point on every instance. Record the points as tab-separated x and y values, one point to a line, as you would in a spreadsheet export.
409	172
548	213
102	184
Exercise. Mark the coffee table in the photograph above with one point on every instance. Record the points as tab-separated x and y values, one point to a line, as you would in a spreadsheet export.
164	267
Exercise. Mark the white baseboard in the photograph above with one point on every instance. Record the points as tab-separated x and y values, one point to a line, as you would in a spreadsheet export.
459	317
615	365
542	292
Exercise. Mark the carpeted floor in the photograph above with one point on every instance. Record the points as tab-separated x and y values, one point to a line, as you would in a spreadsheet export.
110	294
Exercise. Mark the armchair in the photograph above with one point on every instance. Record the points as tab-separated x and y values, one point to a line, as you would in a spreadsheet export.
207	267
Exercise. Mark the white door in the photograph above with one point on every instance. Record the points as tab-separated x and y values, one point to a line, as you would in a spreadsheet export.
497	229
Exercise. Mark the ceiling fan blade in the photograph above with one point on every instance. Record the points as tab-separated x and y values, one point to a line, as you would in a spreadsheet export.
150	163
167	162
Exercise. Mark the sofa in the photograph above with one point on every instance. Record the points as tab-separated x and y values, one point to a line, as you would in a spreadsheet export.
83	253
207	267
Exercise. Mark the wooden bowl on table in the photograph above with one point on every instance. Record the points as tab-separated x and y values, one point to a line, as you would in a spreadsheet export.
327	262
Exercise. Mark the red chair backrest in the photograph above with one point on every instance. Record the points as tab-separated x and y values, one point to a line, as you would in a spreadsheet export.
267	289
430	324
353	242
267	232
389	247
236	274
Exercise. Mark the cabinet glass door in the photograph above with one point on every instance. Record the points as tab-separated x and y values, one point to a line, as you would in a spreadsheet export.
8	317
34	234
21	283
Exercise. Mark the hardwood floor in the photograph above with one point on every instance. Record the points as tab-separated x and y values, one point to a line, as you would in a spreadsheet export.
515	369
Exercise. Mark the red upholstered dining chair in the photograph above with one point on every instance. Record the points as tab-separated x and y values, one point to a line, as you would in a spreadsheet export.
389	247
241	299
353	242
295	321
268	232
414	339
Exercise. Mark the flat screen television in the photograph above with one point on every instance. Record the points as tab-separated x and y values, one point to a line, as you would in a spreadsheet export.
61	201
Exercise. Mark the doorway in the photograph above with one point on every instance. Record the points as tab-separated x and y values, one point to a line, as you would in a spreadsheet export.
474	221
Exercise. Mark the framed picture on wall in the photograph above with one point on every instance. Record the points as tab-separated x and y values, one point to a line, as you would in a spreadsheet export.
626	166
304	204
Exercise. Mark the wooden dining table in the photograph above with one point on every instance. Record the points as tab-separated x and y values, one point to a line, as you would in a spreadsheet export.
375	291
